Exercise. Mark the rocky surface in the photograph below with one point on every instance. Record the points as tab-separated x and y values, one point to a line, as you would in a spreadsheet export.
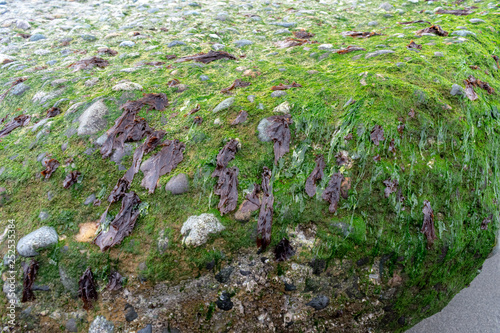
401	218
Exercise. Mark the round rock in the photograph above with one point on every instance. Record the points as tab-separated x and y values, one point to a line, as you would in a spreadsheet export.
197	228
101	325
178	184
38	239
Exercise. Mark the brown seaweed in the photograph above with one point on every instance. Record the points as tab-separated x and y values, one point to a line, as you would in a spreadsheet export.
227	189
496	58
252	200
115	281
279	132
486	221
391	186
194	110
15	82
225	155
282	86
472	82
161	163
345	186
302	34
87	290
434	29
18	121
121	187
30	272
156	101
207	57
107	50
71	178
414	45
428	225
417	21
197	120
284	250
173	82
122	225
332	191
238	83
155	63
89	63
377	134
50	166
52	112
291	42
241	118
264	224
458	12
350	48
392	147
315	176
358	34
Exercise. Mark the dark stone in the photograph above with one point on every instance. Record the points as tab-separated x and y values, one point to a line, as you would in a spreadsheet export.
41	288
401	321
210	265
224	274
130	313
263	259
147	329
290	287
318	266
245	273
224	302
363	261
319	302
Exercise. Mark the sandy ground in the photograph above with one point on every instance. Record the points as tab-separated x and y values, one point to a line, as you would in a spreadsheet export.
474	310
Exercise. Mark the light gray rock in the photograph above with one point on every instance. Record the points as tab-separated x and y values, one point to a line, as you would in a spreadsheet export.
262	128
91	82
282	31
38	239
127	43
325	47
101	325
176	43
19	89
283	108
92	120
243	42
225	104
127	86
90	199
386	6
43	216
438	54
39	124
476	21
69	284
71	325
197	228
22	24
251	98
162	241
279	93
37	37
373	23
457	90
218	46
178	184
463	33
377	53
147	329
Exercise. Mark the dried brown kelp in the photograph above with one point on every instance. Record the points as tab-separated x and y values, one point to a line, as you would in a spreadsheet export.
174	82
411	22
162	163
284	250
392	147
377	134
198	120
342	158
486	221
50	166
89	63
170	56
87	290
458	12
107	50
265	221
115	282
18	121
241	118
414	45
194	110
496	58
122	225
225	155
156	101
238	83
252	200
15	82
71	178
302	34
350	48
391	187
282	86
472	82
30	272
227	189
315	176
345	186
207	57
428	225
401	128
358	34
434	29
126	128
121	187
155	63
332	191
52	112
279	132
